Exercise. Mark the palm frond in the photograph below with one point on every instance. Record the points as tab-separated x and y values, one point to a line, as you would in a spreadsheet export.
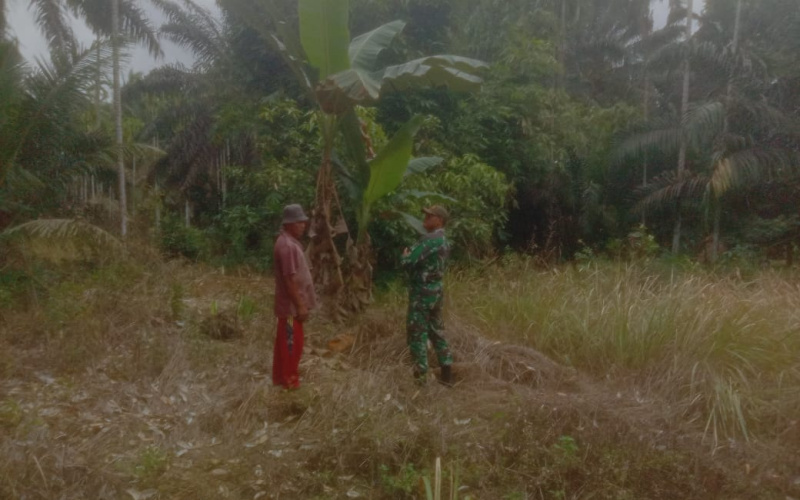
54	93
703	122
280	33
669	187
190	152
748	167
194	28
19	179
108	156
666	36
133	21
62	230
638	145
168	79
136	25
760	113
50	17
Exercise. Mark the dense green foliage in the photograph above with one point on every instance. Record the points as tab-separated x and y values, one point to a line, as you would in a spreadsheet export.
571	143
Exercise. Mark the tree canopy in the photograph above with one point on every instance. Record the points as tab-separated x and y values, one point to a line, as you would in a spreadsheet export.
572	114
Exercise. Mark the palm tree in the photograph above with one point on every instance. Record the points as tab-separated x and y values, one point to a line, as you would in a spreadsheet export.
199	148
731	132
49	16
43	140
116	19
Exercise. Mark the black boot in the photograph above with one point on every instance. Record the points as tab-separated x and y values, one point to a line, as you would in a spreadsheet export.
446	377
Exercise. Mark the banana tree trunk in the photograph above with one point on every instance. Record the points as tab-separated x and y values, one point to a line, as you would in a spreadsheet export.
326	264
345	284
358	275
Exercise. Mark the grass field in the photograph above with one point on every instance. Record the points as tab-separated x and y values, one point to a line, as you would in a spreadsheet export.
608	381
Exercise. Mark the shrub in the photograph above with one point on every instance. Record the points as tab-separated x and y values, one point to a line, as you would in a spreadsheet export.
476	195
176	239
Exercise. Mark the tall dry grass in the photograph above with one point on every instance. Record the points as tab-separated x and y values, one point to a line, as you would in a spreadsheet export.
115	386
724	348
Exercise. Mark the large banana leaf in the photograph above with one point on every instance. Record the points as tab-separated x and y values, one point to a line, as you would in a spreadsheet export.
324	35
387	170
355	149
357	86
348	88
361	82
454	72
365	49
389	166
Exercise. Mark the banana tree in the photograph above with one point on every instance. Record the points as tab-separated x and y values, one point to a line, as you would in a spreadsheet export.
345	74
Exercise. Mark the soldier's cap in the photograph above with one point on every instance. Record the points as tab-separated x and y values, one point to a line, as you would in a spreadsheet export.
293	213
438	211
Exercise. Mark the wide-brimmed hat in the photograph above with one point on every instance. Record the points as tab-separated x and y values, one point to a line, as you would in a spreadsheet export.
438	211
293	213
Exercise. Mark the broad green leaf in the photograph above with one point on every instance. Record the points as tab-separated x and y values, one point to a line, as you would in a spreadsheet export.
355	148
459	63
346	89
365	49
420	165
293	62
62	229
356	85
324	35
456	73
387	169
428	490
350	183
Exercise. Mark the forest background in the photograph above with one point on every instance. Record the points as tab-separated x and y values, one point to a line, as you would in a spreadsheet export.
583	129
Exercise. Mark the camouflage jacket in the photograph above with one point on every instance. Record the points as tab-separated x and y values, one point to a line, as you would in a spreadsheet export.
426	263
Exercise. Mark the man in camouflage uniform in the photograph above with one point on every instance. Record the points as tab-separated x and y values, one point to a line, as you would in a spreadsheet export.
425	264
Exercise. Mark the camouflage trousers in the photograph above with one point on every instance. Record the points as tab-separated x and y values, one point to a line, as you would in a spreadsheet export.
424	322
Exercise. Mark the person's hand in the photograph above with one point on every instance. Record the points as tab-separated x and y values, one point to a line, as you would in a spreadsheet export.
406	252
302	314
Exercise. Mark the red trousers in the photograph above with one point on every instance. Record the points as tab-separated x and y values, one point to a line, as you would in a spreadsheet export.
286	356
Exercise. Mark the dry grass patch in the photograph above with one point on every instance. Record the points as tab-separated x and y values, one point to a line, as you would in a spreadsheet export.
154	408
726	350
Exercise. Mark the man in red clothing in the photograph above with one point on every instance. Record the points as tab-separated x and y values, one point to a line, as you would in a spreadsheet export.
294	297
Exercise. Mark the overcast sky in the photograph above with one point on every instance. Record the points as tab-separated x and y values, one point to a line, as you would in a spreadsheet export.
33	45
